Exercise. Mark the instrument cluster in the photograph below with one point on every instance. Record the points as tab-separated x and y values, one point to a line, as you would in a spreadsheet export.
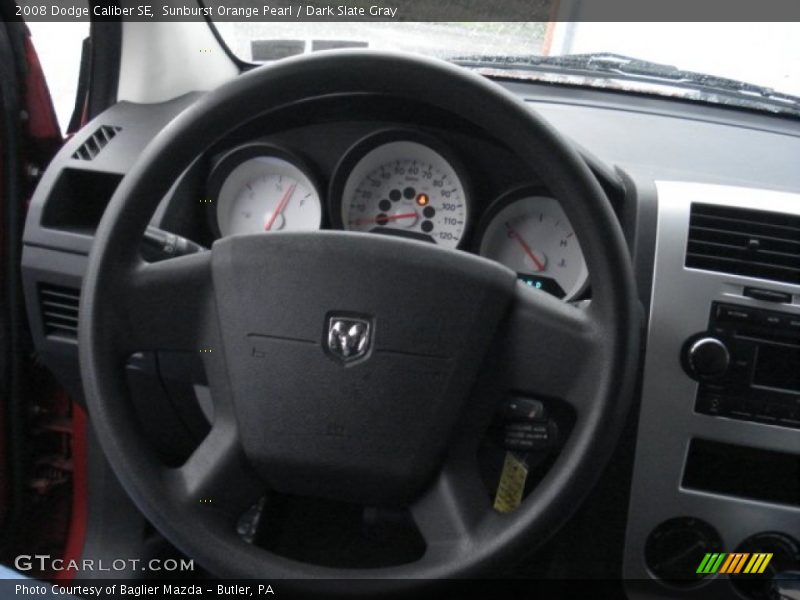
402	183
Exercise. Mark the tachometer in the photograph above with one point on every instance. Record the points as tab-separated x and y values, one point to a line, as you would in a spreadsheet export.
531	235
259	188
402	183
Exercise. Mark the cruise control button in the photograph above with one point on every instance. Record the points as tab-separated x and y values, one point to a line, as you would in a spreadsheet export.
524	409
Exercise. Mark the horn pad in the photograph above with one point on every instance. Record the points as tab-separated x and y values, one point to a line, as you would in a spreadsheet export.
350	356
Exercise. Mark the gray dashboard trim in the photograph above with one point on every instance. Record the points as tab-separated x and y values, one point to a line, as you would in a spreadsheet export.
680	304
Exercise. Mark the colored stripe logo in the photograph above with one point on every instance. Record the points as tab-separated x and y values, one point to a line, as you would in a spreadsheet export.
734	563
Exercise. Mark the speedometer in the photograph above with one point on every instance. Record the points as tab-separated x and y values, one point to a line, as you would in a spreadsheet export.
402	184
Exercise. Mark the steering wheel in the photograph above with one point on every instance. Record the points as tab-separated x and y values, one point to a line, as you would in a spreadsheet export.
399	426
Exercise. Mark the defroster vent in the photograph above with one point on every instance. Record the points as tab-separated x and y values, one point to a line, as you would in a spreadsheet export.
96	142
754	243
59	309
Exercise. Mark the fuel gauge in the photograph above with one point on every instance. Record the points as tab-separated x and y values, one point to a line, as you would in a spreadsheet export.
531	235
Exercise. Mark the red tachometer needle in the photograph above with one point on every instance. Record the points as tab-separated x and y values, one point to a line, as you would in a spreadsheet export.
281	205
384	218
513	234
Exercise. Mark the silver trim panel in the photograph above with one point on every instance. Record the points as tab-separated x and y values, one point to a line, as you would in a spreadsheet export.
680	306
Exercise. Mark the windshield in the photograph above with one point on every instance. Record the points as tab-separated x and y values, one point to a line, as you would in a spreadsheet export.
764	55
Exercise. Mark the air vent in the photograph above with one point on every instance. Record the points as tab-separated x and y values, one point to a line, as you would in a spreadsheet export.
747	242
59	308
96	142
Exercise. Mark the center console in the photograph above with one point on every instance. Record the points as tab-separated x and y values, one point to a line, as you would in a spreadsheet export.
717	465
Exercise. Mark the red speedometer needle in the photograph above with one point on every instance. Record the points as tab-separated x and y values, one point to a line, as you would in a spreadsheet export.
512	233
281	205
384	218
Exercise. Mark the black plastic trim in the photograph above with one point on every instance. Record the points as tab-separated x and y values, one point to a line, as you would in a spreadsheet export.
106	52
12	331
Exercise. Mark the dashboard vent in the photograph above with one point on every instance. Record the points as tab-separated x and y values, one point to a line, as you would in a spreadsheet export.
59	308
96	142
742	241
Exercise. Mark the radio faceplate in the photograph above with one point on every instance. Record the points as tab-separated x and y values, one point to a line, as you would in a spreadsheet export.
761	379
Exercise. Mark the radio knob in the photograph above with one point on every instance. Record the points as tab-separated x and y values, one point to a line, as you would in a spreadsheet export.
708	357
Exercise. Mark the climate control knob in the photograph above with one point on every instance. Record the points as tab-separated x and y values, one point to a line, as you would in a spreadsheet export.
784	563
707	357
676	547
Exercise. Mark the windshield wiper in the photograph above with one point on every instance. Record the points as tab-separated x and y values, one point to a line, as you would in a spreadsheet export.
617	65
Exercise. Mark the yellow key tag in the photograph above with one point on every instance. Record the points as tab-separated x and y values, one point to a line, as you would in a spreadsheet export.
512	484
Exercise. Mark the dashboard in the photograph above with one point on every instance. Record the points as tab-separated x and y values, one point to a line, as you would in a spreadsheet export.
370	165
375	167
401	182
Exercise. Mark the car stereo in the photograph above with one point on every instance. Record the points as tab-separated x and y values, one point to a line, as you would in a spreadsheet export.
747	364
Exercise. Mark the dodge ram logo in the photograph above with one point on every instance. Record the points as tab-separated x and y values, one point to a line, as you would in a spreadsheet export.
348	338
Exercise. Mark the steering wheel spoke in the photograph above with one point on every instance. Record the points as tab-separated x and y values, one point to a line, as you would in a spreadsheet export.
449	512
551	349
217	475
165	305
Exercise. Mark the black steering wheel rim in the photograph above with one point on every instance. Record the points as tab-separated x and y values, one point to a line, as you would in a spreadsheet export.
609	327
